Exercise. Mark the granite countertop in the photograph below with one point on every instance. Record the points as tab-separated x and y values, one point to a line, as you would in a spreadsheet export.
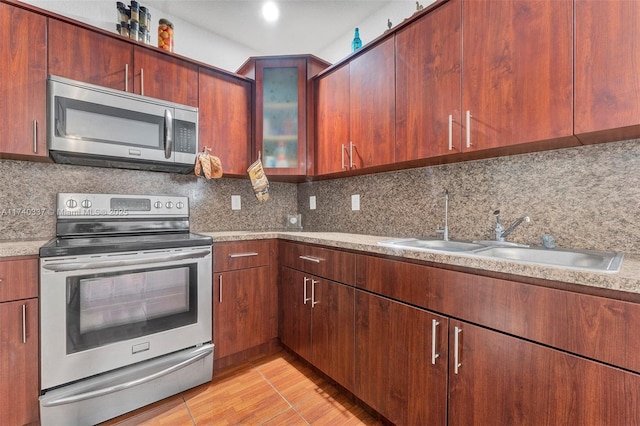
628	279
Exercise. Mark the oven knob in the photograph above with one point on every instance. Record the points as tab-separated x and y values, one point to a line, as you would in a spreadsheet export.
71	203
169	205
86	204
180	205
157	205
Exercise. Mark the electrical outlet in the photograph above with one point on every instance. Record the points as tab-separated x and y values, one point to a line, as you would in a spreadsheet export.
312	202
355	202
236	202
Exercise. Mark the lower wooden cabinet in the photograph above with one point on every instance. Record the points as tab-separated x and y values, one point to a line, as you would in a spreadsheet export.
317	322
19	342
245	300
401	360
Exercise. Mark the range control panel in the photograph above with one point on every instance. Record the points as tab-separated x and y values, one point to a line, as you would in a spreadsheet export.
79	205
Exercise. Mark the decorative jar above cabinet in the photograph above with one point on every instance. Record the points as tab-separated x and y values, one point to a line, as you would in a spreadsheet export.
284	111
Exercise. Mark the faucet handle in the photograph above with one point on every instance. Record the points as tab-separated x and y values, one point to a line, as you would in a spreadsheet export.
496	213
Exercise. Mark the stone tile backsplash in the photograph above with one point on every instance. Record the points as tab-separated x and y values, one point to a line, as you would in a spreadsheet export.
586	197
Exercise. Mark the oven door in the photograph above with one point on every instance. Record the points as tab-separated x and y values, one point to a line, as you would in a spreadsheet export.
102	312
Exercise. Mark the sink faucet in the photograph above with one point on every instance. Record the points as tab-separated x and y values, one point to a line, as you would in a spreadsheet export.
445	231
502	233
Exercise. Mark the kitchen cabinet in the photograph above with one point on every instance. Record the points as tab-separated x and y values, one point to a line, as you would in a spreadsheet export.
501	379
23	43
428	84
92	57
317	313
606	83
245	311
225	119
401	360
283	121
356	112
19	387
517	73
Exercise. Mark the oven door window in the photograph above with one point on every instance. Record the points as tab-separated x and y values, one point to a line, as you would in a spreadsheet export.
112	307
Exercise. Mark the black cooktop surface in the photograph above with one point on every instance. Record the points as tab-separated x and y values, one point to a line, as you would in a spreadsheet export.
74	246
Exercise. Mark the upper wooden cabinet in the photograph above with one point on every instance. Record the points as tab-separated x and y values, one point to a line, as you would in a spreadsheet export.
517	72
92	57
607	52
23	71
88	56
283	119
225	119
356	112
428	56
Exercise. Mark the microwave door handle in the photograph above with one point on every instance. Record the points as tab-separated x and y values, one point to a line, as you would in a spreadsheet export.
168	133
60	119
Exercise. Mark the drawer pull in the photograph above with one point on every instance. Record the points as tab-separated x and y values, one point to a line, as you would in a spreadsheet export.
310	259
24	323
434	355
456	349
237	255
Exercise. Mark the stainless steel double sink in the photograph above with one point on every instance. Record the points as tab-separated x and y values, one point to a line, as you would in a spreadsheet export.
587	260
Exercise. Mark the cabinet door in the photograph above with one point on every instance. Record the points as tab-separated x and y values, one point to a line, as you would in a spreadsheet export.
505	380
332	330
23	72
332	97
88	56
163	76
606	72
372	106
295	315
428	55
245	310
517	70
19	387
225	119
399	372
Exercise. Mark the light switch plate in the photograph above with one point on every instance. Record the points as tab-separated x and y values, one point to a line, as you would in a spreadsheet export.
312	202
355	202
236	203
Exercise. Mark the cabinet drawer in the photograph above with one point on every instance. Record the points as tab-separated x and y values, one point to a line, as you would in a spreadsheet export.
230	256
335	265
18	279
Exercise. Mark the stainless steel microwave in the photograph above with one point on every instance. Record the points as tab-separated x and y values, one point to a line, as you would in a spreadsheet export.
96	126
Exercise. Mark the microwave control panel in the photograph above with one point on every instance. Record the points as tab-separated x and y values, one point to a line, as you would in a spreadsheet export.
185	137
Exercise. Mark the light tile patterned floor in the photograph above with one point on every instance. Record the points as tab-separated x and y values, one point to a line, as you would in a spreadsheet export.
273	390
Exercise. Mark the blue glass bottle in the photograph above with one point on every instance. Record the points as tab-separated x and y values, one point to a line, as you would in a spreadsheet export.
356	43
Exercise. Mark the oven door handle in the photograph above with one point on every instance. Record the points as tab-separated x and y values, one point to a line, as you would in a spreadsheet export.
76	266
198	354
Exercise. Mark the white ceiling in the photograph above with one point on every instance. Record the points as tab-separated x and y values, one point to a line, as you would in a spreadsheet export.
304	25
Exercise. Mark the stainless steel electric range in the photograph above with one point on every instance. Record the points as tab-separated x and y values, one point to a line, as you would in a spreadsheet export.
125	306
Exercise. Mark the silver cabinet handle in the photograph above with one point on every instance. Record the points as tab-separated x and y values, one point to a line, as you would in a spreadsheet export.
220	288
468	129
343	148
314	302
24	323
305	299
126	77
310	259
142	81
456	349
450	132
35	136
350	155
237	255
434	355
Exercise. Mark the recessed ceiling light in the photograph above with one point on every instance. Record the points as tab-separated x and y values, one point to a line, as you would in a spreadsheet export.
270	11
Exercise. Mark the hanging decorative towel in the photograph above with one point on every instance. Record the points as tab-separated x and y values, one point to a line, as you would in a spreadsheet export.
207	165
259	180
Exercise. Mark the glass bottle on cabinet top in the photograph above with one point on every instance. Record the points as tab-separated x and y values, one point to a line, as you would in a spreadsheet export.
280	117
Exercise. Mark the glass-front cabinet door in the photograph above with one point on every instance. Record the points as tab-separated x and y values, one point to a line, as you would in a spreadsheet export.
283	111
